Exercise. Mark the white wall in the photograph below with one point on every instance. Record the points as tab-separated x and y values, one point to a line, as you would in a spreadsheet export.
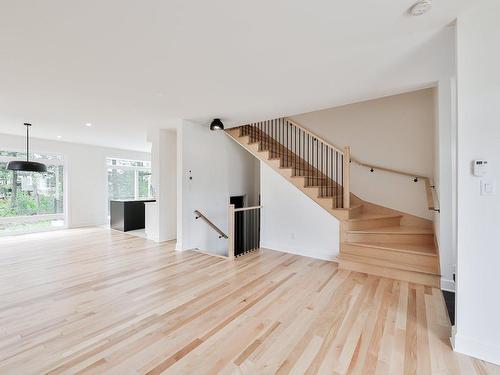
211	168
86	188
161	223
444	179
478	262
394	132
410	132
292	222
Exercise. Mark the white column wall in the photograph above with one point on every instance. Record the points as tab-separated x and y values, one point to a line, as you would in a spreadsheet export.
478	260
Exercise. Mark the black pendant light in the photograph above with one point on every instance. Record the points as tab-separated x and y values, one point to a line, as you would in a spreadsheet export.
217	124
26	165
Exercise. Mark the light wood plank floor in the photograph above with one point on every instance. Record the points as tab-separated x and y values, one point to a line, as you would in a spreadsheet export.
98	301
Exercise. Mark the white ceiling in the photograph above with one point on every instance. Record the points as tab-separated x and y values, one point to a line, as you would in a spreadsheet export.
126	66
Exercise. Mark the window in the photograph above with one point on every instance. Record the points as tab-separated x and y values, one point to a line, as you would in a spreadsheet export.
31	201
129	179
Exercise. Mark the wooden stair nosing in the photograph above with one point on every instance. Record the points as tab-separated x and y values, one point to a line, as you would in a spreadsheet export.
380	257
394	230
391	273
392	248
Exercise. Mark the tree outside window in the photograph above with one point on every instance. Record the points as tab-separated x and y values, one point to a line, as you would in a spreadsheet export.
128	179
28	198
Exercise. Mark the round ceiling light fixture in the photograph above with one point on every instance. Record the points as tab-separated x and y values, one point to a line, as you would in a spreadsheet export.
420	8
26	165
216	124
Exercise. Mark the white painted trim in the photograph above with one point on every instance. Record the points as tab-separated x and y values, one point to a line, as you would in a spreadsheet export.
31	218
153	238
321	256
157	239
89	225
477	349
447	284
53	229
452	337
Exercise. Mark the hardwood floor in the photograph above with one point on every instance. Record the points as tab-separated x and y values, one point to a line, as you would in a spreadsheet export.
98	301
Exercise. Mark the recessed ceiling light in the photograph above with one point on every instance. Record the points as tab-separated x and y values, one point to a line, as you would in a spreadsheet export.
88	124
420	8
59	136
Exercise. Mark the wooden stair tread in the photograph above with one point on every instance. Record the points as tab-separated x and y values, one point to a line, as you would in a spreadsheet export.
402	229
387	264
428	250
353	206
370	216
389	272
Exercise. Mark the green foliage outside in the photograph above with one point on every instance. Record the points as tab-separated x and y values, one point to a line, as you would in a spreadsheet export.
42	194
26	204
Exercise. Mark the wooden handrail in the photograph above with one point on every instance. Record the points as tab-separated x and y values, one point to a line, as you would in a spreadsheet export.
212	225
348	159
246	208
338	149
428	187
371	166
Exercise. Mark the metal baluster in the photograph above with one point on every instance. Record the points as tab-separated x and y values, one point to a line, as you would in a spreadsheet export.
282	139
288	144
274	139
317	160
342	177
300	159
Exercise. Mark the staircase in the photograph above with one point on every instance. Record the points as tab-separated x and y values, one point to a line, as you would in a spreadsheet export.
374	239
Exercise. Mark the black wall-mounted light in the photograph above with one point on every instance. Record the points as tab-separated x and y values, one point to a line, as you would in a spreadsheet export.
217	124
26	165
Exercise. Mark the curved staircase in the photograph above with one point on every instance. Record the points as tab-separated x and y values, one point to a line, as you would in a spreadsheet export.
374	239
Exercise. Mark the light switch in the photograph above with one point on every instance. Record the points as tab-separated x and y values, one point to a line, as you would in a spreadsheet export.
488	187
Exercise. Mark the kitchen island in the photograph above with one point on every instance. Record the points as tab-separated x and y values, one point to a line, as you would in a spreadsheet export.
128	214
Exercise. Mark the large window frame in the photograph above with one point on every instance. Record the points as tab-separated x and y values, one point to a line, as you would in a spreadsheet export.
50	159
128	165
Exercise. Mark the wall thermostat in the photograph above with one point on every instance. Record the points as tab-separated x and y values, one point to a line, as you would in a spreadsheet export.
480	167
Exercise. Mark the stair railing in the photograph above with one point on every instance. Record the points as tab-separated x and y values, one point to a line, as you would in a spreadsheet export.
429	188
320	163
199	215
432	201
244	230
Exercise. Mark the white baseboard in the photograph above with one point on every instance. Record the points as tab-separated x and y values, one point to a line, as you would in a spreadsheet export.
89	225
316	255
448	285
476	349
178	246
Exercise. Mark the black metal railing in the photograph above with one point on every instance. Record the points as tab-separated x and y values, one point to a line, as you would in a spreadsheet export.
246	230
320	163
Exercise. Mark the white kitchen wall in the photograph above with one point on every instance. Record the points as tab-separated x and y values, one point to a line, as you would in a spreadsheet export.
478	261
292	222
86	189
211	168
